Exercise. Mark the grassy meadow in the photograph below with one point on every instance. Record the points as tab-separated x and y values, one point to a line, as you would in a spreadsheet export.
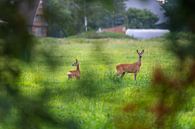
97	100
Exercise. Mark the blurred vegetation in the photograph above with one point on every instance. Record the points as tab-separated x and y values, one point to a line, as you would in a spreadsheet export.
181	14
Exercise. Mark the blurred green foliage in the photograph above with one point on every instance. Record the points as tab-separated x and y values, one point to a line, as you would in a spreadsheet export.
181	14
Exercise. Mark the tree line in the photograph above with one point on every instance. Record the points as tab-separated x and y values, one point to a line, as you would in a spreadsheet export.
68	17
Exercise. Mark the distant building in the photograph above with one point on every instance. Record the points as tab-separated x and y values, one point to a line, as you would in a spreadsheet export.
34	16
116	29
39	26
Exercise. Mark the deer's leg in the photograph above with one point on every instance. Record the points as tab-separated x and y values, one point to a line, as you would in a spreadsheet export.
69	77
118	73
122	74
135	75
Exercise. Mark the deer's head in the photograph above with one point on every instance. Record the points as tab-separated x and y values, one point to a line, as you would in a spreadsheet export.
76	63
140	53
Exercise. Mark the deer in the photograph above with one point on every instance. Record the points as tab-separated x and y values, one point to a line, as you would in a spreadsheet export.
130	68
74	73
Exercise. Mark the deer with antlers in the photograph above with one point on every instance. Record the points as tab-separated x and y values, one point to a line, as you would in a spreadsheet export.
74	73
130	68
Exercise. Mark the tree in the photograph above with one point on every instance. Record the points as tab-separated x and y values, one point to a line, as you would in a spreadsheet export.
180	14
140	18
63	18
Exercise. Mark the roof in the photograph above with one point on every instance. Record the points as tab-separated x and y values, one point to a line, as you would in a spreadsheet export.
116	29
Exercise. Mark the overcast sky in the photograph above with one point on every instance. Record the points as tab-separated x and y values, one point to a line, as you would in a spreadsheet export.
151	5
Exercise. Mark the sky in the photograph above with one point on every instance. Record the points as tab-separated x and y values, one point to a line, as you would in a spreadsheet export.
151	5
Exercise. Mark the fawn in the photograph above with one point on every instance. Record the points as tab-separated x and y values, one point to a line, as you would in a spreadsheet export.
74	73
130	68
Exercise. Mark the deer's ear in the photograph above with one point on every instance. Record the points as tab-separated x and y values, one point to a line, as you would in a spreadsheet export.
137	51
76	60
142	51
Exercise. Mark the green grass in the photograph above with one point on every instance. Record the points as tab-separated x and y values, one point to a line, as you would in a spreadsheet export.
94	35
96	99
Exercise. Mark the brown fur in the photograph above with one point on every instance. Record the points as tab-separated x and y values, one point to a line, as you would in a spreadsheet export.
130	68
74	73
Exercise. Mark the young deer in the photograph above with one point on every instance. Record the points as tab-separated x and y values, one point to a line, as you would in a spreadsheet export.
130	68
74	73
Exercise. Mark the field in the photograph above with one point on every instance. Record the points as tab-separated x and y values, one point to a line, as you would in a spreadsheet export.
97	100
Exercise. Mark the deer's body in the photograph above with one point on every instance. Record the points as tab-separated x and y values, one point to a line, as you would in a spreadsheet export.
130	68
74	73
